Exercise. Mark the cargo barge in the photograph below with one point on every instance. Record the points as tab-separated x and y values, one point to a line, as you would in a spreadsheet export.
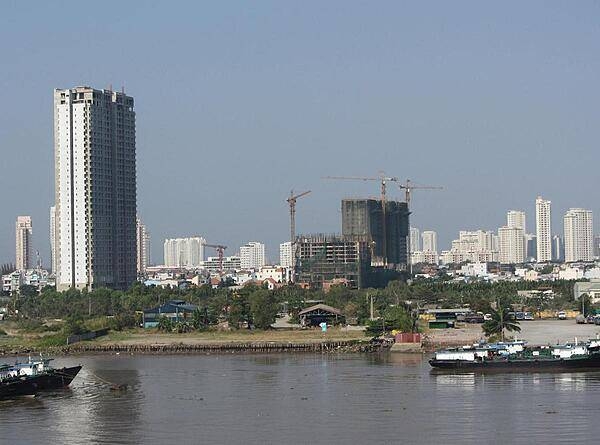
517	356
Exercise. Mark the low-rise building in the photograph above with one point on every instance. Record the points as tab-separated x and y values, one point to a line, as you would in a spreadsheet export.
590	288
39	278
175	310
474	270
570	273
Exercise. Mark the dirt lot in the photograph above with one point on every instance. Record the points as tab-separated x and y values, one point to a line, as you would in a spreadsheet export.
241	336
537	332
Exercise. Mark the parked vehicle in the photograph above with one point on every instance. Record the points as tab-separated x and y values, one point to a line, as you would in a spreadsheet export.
561	315
580	319
487	317
527	316
474	318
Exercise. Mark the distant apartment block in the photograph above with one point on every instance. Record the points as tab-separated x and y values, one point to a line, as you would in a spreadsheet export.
230	264
252	255
143	247
184	252
579	235
286	257
512	246
415	240
23	232
530	246
474	246
543	229
419	257
95	188
516	218
429	241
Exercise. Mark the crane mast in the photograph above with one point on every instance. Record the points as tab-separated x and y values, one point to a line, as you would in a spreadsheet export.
220	249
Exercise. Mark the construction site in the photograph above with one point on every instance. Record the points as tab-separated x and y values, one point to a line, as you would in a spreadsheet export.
372	248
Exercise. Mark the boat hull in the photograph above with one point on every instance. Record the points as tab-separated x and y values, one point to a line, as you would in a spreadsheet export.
554	364
31	385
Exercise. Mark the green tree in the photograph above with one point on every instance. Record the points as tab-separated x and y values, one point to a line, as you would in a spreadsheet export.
264	308
501	321
393	318
200	319
165	324
239	308
73	326
27	290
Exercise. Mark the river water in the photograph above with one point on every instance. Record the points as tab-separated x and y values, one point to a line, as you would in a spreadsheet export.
302	398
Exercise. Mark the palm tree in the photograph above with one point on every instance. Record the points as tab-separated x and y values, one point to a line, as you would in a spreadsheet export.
501	320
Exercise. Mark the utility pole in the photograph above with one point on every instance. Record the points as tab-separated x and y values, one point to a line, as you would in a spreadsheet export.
372	307
501	309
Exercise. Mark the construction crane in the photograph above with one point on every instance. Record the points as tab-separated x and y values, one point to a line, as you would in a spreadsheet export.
408	186
383	179
292	202
220	249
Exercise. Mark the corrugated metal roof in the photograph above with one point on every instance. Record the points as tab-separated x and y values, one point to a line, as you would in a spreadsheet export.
323	307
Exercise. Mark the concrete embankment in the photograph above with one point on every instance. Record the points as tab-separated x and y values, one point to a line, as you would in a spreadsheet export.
191	348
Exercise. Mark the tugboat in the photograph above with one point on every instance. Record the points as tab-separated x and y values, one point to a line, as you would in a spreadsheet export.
27	379
516	356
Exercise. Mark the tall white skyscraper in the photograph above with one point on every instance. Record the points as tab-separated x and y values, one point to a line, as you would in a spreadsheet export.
184	252
143	247
252	255
95	184
23	232
286	258
579	235
543	230
512	247
53	238
429	241
415	240
516	218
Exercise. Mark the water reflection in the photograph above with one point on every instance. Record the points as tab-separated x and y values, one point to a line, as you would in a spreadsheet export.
303	398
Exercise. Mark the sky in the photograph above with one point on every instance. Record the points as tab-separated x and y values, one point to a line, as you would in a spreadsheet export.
237	103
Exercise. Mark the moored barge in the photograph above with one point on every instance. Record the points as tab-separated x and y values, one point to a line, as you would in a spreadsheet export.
517	356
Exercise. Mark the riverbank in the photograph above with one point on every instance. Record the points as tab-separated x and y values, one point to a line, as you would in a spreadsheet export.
145	342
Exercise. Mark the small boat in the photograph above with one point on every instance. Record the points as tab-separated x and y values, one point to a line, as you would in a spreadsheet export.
33	376
517	356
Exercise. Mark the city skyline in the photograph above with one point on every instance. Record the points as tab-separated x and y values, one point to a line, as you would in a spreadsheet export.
479	109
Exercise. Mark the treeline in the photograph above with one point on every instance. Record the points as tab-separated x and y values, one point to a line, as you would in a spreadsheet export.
256	306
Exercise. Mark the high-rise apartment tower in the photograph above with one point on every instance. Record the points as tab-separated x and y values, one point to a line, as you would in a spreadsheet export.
53	238
23	232
95	188
143	247
543	230
579	235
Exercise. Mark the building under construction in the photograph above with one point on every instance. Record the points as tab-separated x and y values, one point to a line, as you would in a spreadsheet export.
323	259
387	232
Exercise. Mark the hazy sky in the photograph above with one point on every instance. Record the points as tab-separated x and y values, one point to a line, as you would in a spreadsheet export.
239	102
